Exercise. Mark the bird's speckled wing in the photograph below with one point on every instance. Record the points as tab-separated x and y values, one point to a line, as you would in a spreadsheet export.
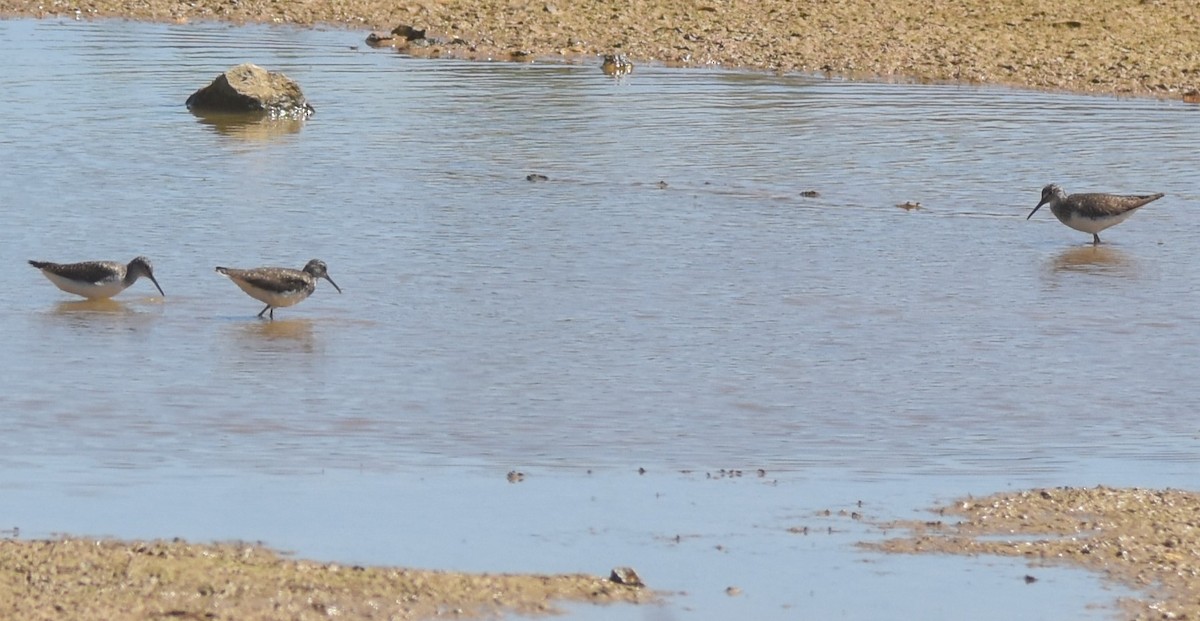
94	272
1102	205
272	279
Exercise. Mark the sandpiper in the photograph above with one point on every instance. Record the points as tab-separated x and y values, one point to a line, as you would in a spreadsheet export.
616	64
279	286
1090	213
97	280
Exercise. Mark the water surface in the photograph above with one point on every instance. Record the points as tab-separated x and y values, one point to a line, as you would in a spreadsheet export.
666	300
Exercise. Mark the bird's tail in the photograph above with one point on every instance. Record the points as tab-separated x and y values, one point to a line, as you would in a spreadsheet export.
38	264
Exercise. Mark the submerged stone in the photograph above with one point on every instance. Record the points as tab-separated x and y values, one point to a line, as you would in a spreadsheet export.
250	89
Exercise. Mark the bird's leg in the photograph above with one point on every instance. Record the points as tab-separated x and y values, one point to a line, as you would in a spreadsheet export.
260	313
1095	239
272	313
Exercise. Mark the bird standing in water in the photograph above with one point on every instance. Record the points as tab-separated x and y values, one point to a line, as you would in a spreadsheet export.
278	287
97	280
1091	213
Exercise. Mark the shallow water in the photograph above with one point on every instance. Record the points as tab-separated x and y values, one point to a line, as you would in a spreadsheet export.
666	300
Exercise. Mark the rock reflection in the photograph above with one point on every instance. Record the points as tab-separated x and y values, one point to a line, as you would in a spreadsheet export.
252	127
1091	259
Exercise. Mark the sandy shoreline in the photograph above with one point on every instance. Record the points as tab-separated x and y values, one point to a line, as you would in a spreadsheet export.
1143	538
86	579
1138	47
1134	47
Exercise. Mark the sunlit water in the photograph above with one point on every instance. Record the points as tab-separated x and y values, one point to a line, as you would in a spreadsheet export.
667	300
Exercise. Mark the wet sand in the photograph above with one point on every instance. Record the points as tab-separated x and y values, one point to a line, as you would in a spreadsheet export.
1145	539
108	580
1142	47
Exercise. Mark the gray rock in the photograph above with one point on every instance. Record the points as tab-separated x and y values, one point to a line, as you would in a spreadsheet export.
250	89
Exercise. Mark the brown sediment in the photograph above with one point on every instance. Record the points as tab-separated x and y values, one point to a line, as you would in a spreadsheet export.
109	580
1144	47
1146	539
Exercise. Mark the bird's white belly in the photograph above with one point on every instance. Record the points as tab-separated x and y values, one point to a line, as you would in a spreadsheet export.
91	291
1092	225
277	300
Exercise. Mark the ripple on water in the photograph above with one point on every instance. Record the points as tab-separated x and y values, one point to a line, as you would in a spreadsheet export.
664	296
666	299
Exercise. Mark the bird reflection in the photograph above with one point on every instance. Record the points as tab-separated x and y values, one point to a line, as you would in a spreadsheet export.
280	335
1093	259
104	305
103	315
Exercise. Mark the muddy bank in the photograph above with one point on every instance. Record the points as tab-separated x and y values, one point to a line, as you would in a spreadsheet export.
1146	539
1145	47
111	580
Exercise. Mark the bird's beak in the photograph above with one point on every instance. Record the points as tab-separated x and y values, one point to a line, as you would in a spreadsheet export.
155	281
339	289
1039	206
